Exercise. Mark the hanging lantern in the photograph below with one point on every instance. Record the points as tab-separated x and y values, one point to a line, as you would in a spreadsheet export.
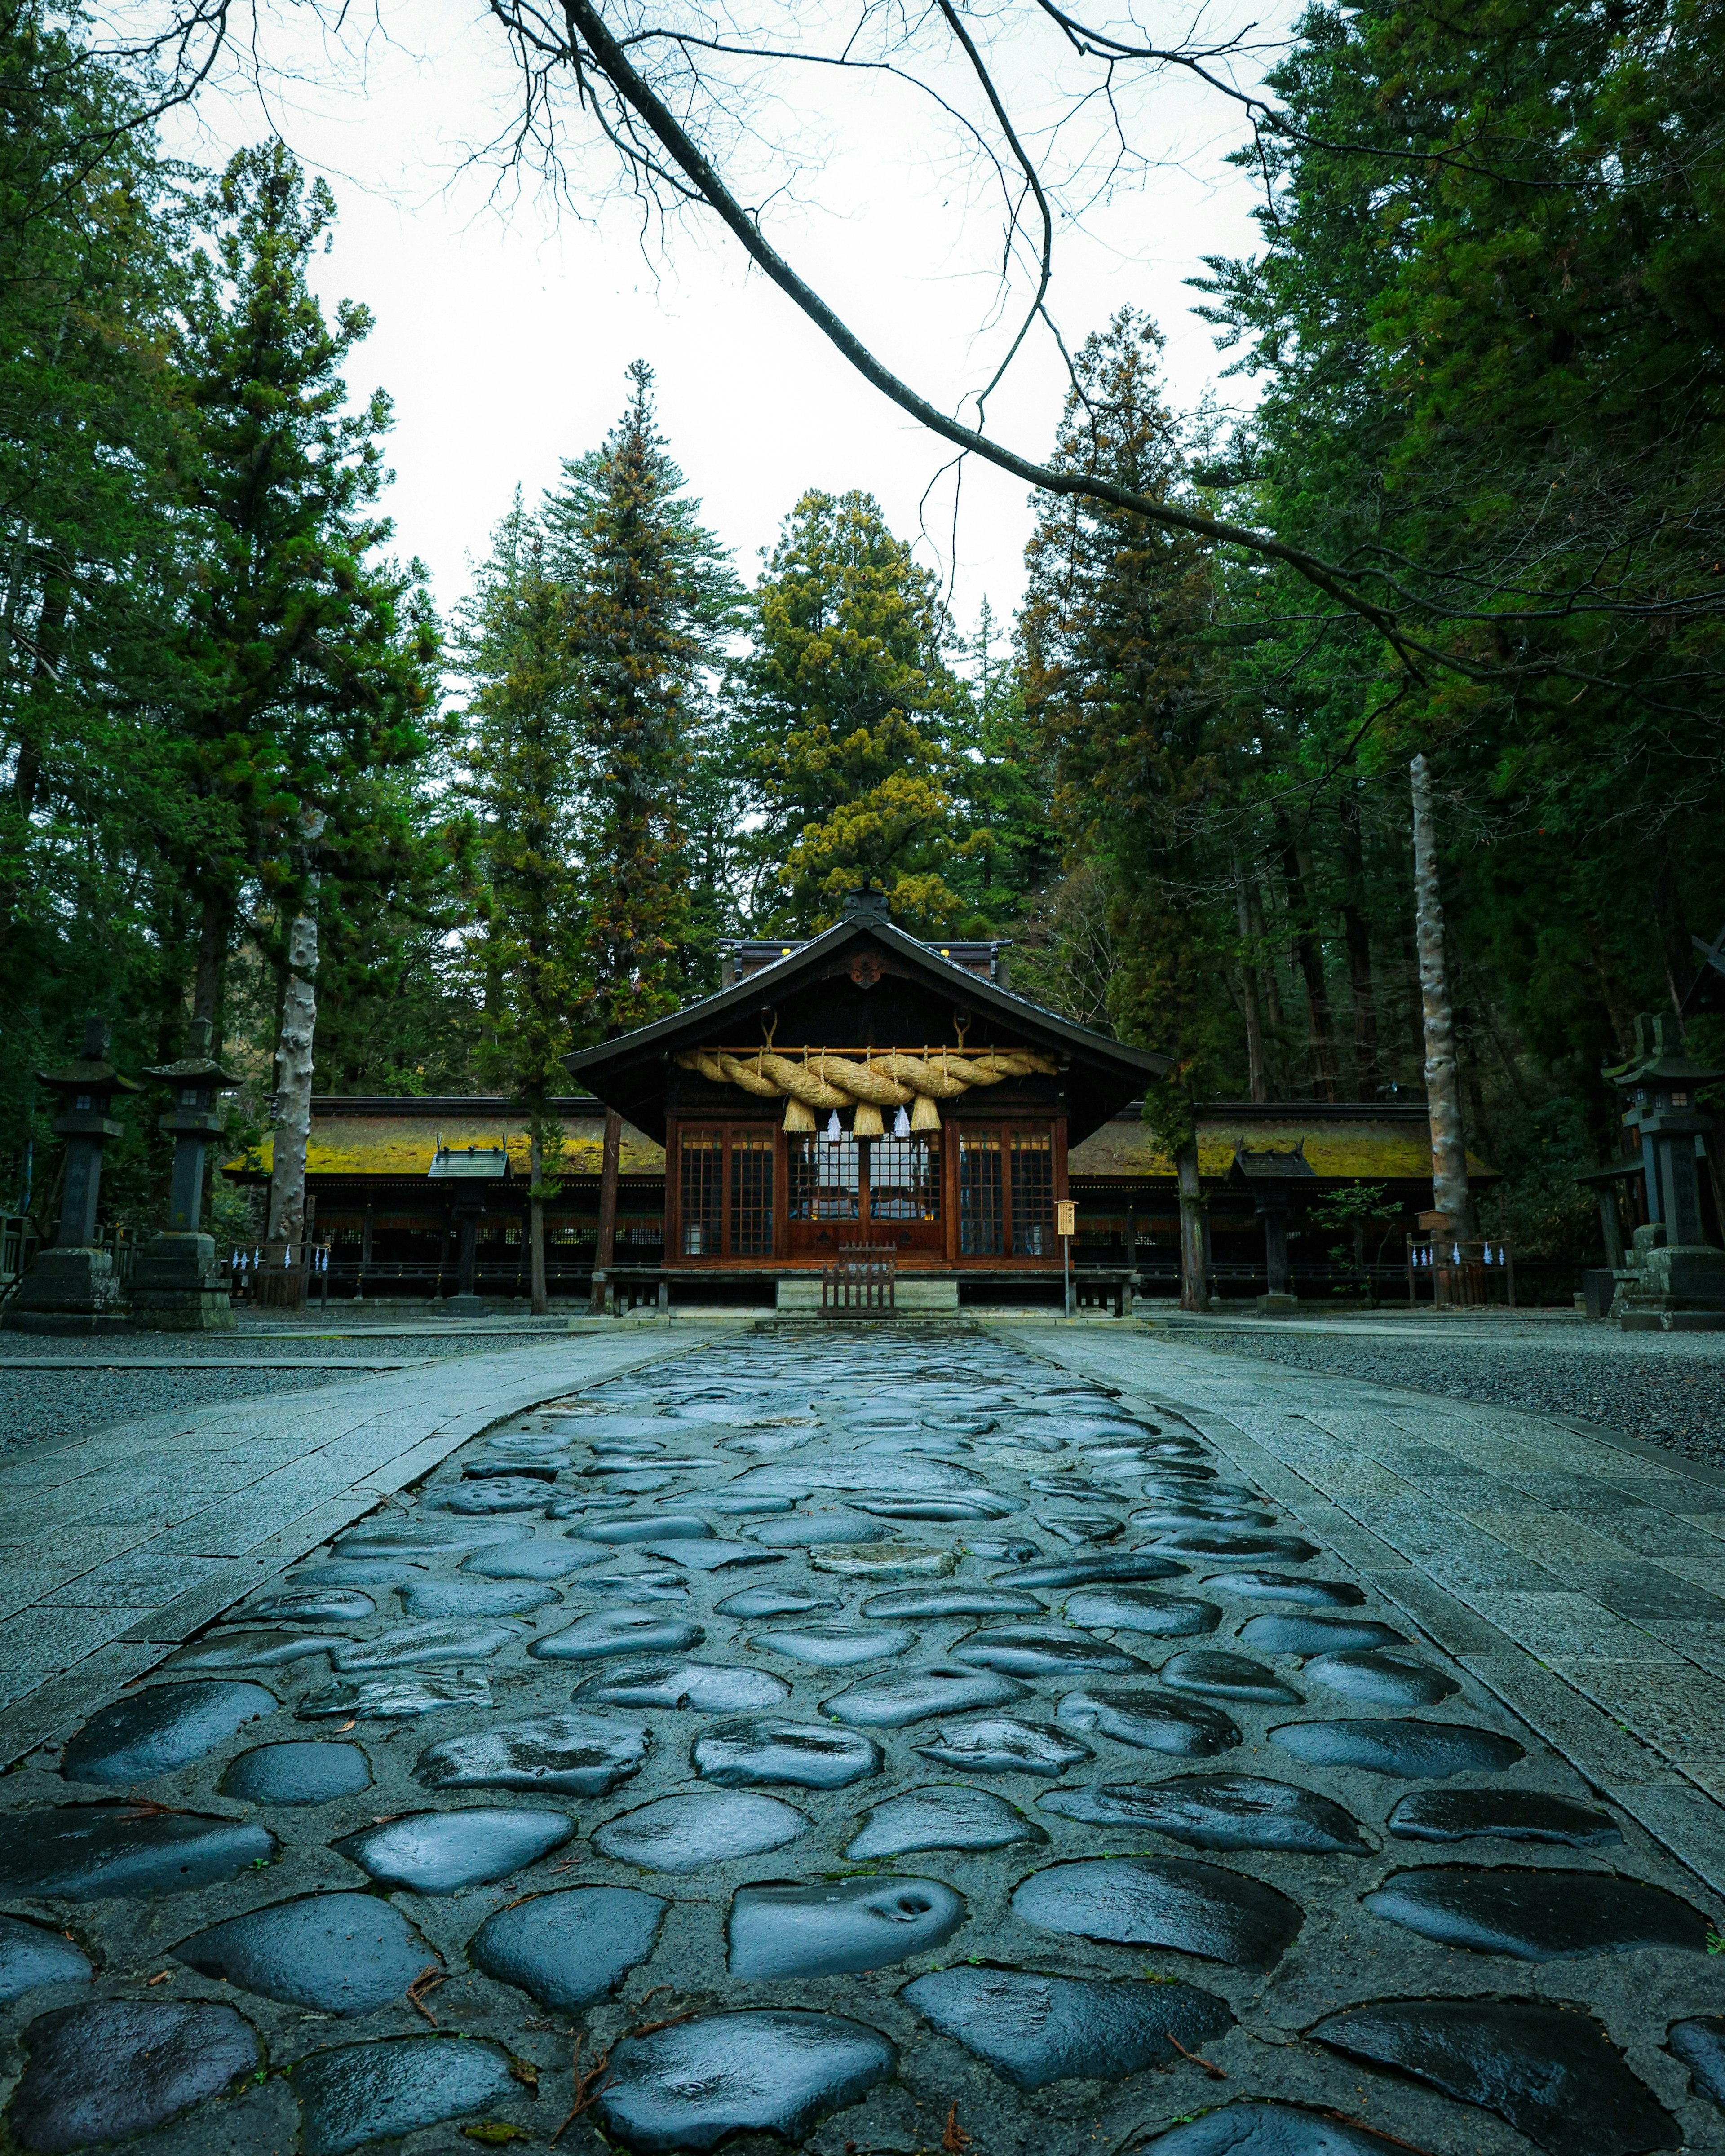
835	1131
900	1125
866	1122
798	1120
924	1114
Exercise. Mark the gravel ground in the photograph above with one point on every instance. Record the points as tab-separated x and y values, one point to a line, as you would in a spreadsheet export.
1667	1389
53	1404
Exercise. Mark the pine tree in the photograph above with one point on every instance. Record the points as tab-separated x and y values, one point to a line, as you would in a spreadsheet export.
652	598
91	802
523	756
846	712
313	661
1003	776
1132	706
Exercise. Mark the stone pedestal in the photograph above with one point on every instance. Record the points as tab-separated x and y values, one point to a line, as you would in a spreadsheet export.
177	1286
68	1291
1279	1305
1675	1287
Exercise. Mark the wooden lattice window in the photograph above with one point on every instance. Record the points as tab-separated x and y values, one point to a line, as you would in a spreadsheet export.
703	1193
980	1223
826	1178
905	1178
751	1194
1033	1198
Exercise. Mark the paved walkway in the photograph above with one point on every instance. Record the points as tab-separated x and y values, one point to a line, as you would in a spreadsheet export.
122	1542
1582	1580
1027	1739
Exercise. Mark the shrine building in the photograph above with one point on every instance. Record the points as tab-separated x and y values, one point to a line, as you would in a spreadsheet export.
864	1089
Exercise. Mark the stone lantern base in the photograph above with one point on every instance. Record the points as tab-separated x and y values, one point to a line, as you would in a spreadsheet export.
68	1290
177	1286
1672	1287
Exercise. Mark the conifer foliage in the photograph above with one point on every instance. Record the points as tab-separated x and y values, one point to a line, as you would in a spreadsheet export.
1132	705
651	595
846	717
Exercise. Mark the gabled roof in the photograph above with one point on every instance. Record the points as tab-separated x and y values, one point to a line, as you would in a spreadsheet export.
630	1074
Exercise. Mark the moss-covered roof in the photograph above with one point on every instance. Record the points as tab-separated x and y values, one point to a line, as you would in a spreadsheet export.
367	1143
1343	1142
1364	1147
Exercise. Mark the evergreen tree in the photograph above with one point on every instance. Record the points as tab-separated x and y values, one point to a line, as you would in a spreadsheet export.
523	754
652	598
846	713
90	565
313	661
1132	703
1004	778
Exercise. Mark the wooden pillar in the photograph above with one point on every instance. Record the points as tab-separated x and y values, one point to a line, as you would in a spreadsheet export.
1194	1270
604	1249
1450	1193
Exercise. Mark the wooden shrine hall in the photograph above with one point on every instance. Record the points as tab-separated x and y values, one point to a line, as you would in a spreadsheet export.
865	1091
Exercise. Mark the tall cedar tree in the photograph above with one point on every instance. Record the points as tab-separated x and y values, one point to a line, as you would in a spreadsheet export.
523	756
91	810
313	660
651	596
1492	363
1131	702
846	710
1004	778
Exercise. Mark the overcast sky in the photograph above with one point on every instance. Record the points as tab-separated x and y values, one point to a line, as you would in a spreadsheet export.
504	321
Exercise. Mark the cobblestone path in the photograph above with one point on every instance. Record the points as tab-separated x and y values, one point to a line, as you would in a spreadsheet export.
885	1743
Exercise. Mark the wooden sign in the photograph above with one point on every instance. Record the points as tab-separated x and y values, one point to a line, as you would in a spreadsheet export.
1067	1217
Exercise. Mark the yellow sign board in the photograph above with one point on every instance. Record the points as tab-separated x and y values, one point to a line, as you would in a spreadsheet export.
1067	1217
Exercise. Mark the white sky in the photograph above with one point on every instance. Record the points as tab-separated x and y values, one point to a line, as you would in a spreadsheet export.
505	323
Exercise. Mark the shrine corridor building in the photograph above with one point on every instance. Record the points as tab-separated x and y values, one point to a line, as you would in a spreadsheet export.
859	1088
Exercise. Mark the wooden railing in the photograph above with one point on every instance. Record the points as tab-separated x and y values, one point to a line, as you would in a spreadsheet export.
863	1282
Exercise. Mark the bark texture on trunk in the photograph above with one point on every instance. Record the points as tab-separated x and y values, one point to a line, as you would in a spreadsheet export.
536	1221
1308	957
214	926
606	1247
27	764
1258	1072
292	1130
1276	1025
1450	1193
1357	935
1195	1284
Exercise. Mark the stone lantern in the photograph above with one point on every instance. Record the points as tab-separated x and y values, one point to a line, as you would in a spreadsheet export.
1682	1277
177	1282
72	1287
1267	1172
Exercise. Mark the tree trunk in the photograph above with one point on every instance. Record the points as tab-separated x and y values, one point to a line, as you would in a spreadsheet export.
1358	937
1275	1024
536	1219
214	928
1194	1285
292	1122
27	764
1450	1193
606	1247
1258	1079
1308	956
1617	1007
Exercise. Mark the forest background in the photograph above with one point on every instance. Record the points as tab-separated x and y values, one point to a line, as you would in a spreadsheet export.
1490	365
